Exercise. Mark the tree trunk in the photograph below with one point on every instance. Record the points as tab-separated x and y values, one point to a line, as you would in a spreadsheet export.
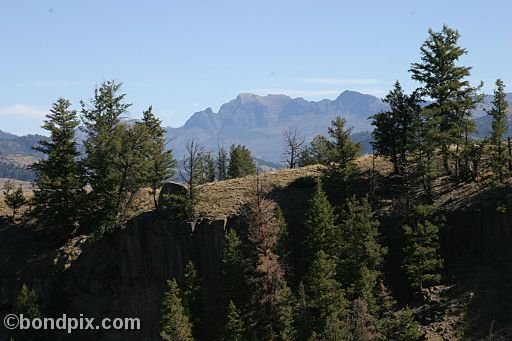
509	155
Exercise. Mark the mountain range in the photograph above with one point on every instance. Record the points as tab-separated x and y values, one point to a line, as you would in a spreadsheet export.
259	121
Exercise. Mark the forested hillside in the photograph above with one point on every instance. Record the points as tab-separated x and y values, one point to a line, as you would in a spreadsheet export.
408	243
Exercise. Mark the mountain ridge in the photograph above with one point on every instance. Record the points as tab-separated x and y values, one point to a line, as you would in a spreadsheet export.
259	121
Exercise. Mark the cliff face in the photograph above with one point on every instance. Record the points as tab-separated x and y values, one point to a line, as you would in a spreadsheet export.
485	231
154	247
124	274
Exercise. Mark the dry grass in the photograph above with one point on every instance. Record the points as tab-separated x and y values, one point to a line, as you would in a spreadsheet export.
27	190
18	159
224	198
382	166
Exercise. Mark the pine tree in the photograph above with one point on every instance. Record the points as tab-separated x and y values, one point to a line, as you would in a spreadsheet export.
422	262
27	304
222	164
361	322
58	187
361	254
240	162
338	176
208	168
191	288
233	328
161	161
101	118
448	117
13	197
499	154
387	305
316	153
232	268
175	324
324	296
131	167
321	232
394	133
336	329
285	322
342	150
303	319
404	327
284	247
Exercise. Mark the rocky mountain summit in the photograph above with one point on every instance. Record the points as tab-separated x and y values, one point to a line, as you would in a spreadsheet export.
259	121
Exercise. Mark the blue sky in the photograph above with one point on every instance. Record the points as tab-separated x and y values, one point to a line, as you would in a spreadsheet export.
184	56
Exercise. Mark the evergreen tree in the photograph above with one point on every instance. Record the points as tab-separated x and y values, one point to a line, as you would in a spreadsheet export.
361	254
101	118
27	304
175	324
240	162
208	168
58	187
178	206
336	329
13	197
360	322
232	268
394	133
404	327
131	167
285	322
342	151
499	154
284	247
446	84
233	328
422	262
316	153
302	319
161	161
321	232
324	295
222	164
191	288
338	176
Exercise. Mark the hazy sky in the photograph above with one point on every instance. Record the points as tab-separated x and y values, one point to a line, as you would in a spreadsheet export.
184	56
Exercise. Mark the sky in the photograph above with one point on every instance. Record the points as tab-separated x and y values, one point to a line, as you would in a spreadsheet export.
184	56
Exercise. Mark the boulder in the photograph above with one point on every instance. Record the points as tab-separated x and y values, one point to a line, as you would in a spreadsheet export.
168	189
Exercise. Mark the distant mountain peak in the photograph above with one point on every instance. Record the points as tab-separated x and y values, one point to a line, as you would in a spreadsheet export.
258	121
247	97
349	95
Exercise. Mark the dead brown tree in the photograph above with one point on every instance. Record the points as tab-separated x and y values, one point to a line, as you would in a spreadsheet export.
293	142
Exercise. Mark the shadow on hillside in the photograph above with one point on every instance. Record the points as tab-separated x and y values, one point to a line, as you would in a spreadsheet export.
485	290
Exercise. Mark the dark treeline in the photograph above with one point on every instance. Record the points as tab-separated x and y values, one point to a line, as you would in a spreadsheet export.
10	171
